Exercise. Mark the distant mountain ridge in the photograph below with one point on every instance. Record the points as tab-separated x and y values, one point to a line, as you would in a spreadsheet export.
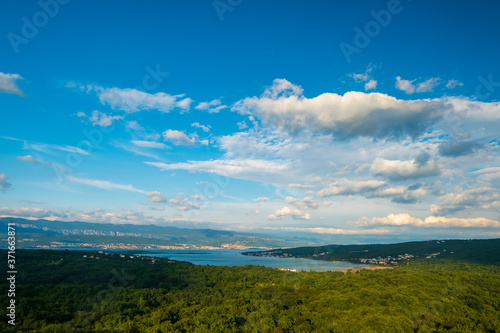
55	234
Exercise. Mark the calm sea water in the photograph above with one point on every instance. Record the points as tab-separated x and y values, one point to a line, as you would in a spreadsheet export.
235	258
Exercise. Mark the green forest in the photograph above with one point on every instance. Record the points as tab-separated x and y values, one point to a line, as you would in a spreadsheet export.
75	291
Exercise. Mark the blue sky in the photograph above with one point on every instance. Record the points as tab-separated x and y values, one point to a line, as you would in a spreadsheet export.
360	119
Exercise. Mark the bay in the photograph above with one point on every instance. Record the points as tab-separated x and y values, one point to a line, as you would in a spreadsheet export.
236	258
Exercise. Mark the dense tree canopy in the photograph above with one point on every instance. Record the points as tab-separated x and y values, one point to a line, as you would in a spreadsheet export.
61	291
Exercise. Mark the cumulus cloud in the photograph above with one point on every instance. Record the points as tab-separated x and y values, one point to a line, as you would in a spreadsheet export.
185	203
27	158
8	84
405	85
132	100
4	185
179	138
459	148
155	196
396	169
285	211
214	106
354	114
431	221
149	144
102	119
473	198
371	85
205	128
348	187
400	194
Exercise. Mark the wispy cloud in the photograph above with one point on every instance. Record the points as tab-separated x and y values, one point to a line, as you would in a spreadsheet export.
27	158
4	185
150	144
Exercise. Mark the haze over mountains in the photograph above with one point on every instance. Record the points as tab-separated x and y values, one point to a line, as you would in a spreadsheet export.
57	234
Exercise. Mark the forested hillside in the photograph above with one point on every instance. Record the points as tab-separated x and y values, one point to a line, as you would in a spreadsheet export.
63	291
473	250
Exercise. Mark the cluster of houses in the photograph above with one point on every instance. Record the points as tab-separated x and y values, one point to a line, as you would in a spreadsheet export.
288	269
387	260
128	257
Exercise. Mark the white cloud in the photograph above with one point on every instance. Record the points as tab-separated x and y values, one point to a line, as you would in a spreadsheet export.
473	198
242	125
371	85
285	211
283	88
27	158
488	174
238	168
149	144
351	115
348	187
184	104
133	124
205	128
49	148
451	84
155	196
395	169
102	119
400	194
102	184
4	185
184	203
306	202
8	84
261	199
179	138
212	107
27	212
300	186
431	221
409	87
405	85
132	100
81	114
428	85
